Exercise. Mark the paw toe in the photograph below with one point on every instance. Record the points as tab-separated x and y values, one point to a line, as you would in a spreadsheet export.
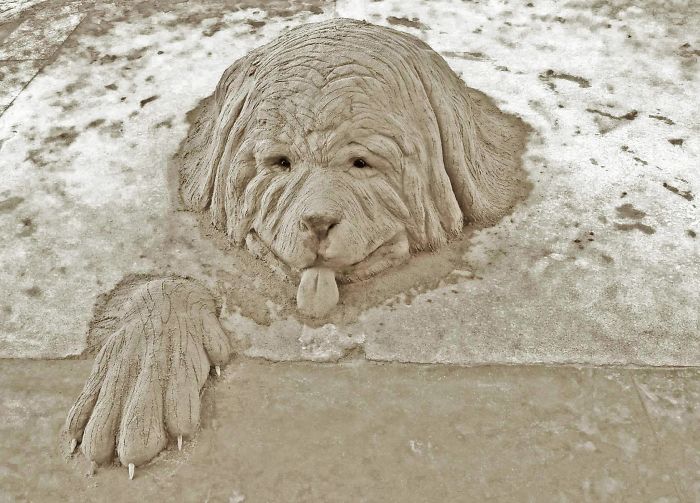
100	432
82	410
214	339
182	404
141	432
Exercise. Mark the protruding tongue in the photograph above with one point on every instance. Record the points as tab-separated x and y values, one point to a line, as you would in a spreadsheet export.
318	292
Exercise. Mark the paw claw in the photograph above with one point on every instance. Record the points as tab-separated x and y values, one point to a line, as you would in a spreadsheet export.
73	445
179	442
218	371
131	471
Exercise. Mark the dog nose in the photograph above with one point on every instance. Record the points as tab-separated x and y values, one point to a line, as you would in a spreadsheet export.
319	224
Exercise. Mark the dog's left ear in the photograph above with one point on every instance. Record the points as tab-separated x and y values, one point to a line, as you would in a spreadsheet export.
481	146
214	140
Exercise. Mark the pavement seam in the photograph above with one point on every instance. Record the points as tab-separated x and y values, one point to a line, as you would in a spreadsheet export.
46	61
22	60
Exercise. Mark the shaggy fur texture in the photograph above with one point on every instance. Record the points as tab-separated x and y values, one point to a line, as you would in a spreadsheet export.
344	145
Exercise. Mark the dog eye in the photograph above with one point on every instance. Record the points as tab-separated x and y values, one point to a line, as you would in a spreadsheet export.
284	163
359	163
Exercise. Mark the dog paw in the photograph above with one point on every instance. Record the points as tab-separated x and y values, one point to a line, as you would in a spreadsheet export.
144	387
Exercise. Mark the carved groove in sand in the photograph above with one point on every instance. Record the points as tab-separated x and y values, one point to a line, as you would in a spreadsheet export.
335	152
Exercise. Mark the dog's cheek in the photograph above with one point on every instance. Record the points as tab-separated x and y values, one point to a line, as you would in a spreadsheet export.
286	241
243	208
348	242
388	214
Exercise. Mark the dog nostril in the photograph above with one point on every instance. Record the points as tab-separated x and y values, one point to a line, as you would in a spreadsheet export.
318	224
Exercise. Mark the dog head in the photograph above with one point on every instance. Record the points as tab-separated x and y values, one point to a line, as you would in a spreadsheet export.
343	147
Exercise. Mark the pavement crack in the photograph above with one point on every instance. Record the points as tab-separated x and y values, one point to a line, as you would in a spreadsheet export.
657	439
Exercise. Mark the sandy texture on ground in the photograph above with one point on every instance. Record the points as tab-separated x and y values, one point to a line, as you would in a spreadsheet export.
600	264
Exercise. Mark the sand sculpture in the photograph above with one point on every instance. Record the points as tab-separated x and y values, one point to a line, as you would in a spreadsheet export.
337	151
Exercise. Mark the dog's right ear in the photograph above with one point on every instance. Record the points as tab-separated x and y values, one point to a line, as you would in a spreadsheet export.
214	139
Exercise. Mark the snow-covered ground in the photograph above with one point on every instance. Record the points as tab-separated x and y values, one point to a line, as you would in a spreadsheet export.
601	264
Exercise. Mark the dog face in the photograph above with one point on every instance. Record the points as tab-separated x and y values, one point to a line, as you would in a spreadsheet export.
343	147
327	188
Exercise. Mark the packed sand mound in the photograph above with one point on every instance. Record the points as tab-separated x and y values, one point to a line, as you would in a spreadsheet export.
341	148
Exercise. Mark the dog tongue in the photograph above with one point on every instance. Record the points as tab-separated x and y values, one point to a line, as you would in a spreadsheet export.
318	292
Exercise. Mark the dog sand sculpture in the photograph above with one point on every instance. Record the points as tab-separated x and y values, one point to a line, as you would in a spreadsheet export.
337	151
